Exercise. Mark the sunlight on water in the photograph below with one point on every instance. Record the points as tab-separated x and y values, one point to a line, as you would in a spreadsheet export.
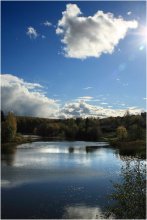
41	160
82	212
73	172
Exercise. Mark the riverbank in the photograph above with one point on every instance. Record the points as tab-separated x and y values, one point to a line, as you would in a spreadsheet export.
136	147
10	147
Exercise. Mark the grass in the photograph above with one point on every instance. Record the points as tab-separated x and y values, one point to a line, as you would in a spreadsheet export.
11	146
134	147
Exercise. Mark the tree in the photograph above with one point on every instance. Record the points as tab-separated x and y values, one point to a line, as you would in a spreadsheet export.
122	133
71	131
6	132
127	113
2	116
136	132
46	129
93	133
9	128
129	196
11	120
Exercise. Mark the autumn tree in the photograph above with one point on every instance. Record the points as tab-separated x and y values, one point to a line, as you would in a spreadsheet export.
122	133
9	128
12	123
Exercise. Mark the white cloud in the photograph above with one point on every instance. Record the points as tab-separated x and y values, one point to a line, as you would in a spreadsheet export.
91	36
88	87
129	13
43	36
85	98
96	100
47	23
104	103
82	109
25	98
132	107
32	33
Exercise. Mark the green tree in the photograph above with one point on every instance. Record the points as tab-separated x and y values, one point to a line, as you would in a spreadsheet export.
136	132
129	196
71	131
6	132
8	128
122	133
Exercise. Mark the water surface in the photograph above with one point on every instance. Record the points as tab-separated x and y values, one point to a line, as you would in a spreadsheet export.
58	179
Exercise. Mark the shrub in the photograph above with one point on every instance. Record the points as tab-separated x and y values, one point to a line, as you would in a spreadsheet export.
130	194
122	133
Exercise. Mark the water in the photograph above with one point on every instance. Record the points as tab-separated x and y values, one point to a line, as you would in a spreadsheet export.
58	180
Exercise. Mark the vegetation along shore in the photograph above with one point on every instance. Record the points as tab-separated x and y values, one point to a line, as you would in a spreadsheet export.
126	133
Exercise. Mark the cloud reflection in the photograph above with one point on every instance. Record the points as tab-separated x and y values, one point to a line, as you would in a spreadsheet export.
83	212
47	161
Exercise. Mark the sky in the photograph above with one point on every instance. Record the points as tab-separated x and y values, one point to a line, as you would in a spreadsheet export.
73	59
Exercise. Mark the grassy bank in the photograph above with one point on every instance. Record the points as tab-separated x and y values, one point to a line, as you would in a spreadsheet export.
135	147
10	147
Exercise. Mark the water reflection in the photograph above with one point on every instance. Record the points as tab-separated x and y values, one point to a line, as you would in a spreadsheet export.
49	153
8	158
71	149
46	161
91	149
73	172
82	212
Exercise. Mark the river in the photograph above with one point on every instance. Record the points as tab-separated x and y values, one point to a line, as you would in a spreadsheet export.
58	180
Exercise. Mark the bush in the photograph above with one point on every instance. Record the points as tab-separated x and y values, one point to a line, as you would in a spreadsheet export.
130	194
9	127
122	133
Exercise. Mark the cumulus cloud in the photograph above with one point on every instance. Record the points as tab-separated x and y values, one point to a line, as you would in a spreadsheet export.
25	98
91	36
47	24
84	110
32	33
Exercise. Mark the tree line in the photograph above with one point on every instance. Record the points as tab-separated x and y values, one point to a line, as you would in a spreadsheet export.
130	127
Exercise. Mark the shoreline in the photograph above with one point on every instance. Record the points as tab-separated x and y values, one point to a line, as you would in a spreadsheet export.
137	147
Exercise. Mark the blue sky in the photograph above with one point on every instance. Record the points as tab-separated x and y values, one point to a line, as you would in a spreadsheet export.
113	80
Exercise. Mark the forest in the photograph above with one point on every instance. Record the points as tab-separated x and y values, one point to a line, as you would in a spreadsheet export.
126	128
